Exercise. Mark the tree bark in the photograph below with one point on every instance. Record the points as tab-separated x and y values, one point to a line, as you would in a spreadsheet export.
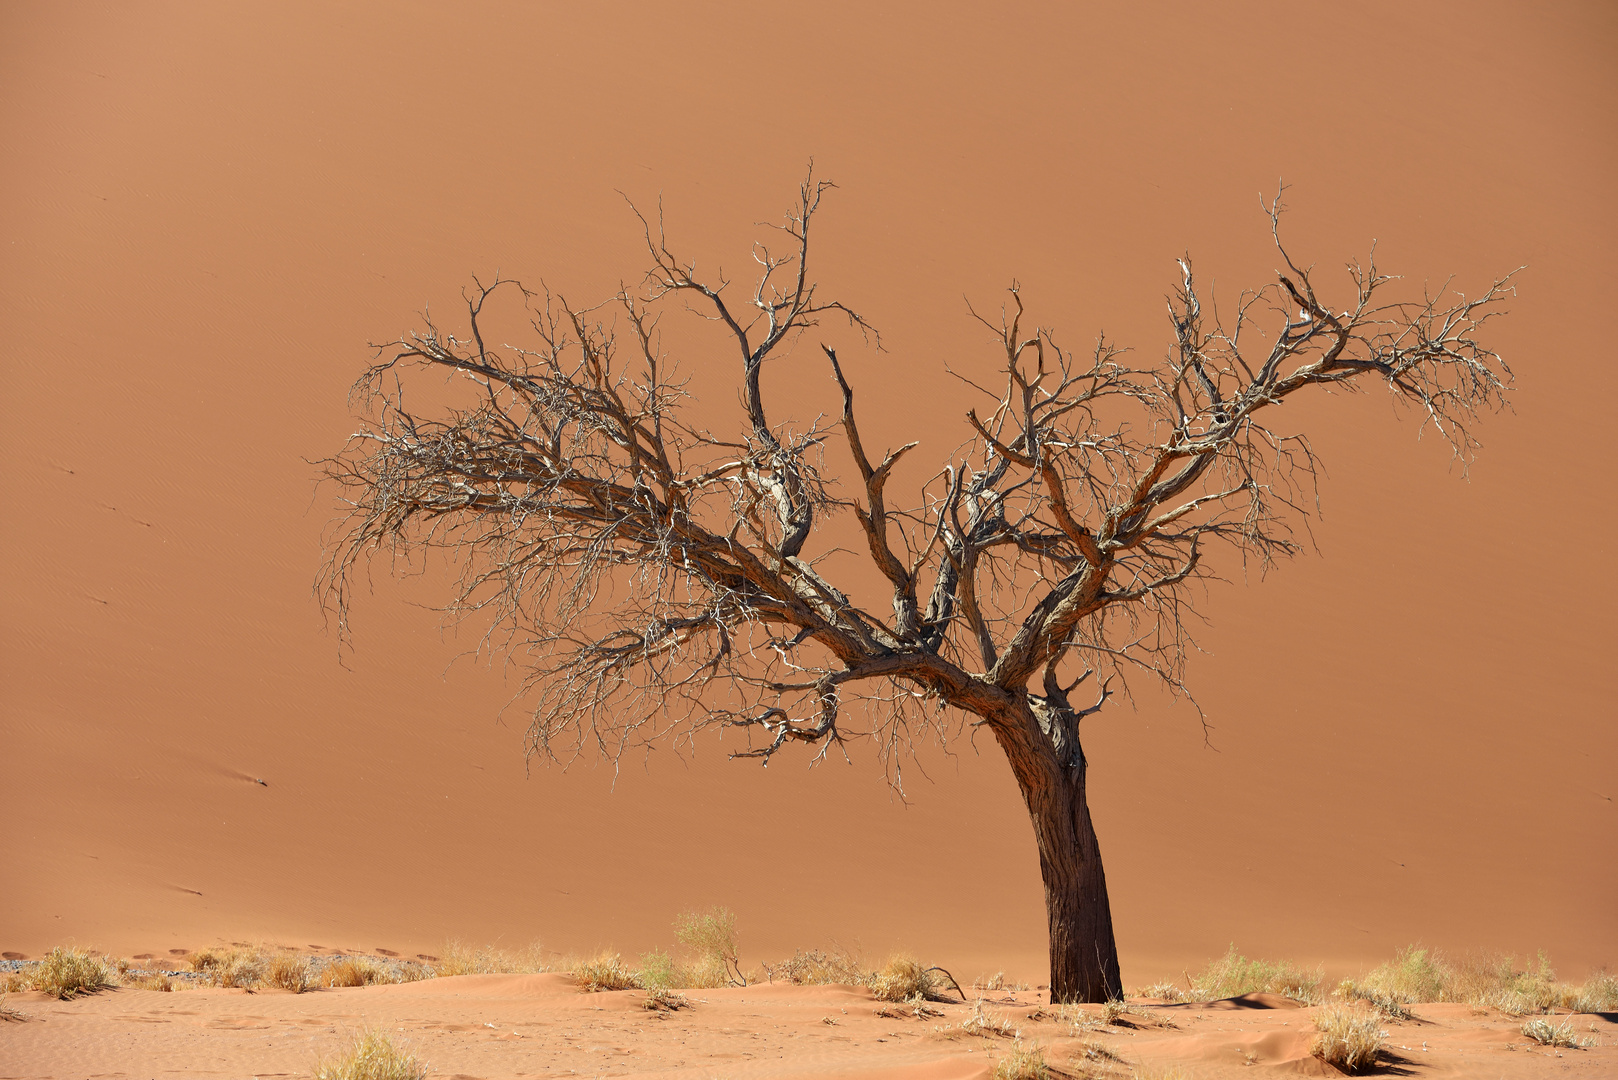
1050	769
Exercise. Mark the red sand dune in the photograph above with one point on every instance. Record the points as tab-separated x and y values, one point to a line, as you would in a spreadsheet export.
208	212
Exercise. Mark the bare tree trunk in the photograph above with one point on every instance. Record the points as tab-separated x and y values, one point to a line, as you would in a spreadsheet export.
1051	774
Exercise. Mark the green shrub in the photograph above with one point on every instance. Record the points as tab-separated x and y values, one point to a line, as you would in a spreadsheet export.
711	936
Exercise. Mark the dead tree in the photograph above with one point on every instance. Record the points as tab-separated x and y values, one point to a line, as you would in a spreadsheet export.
656	580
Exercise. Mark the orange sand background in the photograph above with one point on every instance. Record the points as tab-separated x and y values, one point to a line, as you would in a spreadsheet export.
208	211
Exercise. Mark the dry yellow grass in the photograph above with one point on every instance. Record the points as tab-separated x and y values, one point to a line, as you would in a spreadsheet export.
459	959
985	1023
1024	1061
1388	1004
237	966
65	972
1233	975
605	972
372	1055
813	967
1482	979
904	978
662	999
1350	1039
354	971
1547	1033
288	973
9	1013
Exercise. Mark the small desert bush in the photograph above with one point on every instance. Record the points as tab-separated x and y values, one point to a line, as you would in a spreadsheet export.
817	968
1233	975
1347	1038
605	972
154	981
1024	1061
1548	1034
13	981
288	973
657	971
1412	975
711	936
372	1055
63	972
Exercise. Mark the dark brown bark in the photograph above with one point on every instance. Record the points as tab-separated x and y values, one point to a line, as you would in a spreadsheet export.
1049	764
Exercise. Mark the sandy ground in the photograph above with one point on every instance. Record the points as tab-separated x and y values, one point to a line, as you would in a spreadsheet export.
541	1025
207	211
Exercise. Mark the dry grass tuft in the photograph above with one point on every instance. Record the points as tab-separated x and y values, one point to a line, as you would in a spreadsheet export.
13	981
1164	991
237	967
1546	1033
355	971
1384	1002
1347	1038
606	972
1482	980
64	972
7	1013
372	1055
1233	975
983	1022
1598	994
458	959
662	999
816	968
904	979
1093	1050
1412	975
997	981
156	981
289	973
1024	1061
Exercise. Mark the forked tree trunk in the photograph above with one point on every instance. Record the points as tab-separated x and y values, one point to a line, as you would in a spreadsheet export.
1051	773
